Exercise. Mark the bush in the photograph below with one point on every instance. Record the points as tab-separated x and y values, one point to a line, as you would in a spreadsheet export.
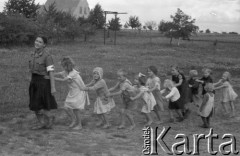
17	29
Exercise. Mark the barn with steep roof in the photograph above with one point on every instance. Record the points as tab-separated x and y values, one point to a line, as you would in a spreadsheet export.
78	8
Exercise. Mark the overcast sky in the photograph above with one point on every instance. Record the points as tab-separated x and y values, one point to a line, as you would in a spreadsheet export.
217	15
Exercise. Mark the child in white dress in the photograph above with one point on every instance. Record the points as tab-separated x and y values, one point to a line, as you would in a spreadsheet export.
147	97
207	107
228	94
103	103
76	98
154	85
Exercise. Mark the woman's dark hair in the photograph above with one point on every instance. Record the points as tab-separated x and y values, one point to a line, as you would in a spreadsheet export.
44	39
142	80
153	69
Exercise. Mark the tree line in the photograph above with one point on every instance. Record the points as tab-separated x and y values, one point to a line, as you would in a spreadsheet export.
21	22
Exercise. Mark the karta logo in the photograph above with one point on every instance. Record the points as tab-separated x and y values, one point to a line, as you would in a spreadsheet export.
154	142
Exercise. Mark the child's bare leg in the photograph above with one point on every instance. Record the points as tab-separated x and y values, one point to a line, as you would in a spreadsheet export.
225	108
122	114
101	120
171	115
205	122
232	108
149	119
157	112
208	121
107	124
179	112
130	118
78	119
71	115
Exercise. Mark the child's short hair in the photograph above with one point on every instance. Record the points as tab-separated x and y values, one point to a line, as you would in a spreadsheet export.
228	75
168	83
153	69
207	70
123	72
209	87
68	62
193	73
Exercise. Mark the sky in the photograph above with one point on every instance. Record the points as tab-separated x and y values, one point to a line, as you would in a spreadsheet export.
216	15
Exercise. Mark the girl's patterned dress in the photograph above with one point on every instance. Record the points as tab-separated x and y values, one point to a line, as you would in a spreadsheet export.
148	99
151	83
103	104
228	94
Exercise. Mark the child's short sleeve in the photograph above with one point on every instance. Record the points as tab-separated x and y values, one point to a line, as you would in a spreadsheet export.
98	85
73	74
125	86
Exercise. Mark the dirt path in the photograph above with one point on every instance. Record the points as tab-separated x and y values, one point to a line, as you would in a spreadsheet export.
16	138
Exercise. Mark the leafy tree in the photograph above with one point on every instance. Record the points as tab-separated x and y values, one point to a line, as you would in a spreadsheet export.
114	24
233	33
28	8
58	24
134	22
208	31
181	26
96	16
87	29
151	25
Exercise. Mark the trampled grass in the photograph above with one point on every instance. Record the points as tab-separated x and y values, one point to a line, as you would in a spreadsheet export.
133	52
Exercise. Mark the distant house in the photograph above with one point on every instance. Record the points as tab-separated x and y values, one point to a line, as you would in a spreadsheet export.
78	8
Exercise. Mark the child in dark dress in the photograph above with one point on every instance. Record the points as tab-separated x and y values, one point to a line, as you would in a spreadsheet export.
206	79
194	86
182	85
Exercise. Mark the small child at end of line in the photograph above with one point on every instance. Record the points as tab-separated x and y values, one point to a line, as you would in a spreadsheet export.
103	103
174	99
207	107
76	98
194	85
125	89
147	97
228	94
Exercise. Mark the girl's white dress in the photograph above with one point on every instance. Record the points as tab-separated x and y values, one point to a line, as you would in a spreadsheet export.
76	98
208	107
149	100
228	94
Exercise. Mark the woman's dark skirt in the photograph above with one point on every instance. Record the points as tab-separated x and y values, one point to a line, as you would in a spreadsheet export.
40	94
175	105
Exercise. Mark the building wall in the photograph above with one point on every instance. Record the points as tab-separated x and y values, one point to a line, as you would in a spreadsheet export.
82	10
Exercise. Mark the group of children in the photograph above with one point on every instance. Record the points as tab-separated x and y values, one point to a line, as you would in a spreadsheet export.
145	91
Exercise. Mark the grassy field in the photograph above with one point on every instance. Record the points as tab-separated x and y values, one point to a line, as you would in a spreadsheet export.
133	52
